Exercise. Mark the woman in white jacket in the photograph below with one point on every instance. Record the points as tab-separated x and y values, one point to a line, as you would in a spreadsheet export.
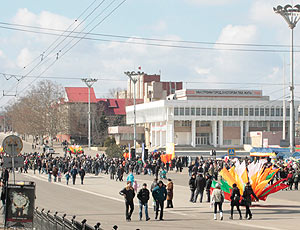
217	200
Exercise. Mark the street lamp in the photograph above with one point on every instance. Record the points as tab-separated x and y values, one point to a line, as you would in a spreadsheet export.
89	83
291	15
134	77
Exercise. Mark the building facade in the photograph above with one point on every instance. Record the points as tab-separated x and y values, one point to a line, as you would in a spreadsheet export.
204	117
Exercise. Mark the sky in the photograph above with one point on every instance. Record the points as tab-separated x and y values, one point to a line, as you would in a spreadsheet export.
202	66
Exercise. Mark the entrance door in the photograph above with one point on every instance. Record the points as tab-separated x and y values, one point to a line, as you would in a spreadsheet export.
202	139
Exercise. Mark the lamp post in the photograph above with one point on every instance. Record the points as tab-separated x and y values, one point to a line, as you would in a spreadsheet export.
291	15
89	83
134	77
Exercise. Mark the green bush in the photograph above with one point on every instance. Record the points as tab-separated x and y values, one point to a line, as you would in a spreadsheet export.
113	151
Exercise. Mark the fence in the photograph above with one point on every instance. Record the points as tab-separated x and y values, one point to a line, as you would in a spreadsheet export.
46	221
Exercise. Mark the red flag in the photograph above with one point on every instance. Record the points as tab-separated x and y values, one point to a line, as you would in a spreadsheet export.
140	67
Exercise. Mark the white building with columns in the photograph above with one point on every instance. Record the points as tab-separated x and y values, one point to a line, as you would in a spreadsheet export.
208	117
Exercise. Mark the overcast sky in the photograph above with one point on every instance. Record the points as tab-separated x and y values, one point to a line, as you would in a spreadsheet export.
214	21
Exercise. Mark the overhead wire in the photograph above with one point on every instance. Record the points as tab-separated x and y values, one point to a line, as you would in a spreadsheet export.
160	44
109	14
145	38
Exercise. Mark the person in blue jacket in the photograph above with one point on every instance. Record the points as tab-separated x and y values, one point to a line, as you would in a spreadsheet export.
159	194
130	177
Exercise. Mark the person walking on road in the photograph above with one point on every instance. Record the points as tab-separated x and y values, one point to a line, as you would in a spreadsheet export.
200	185
207	187
235	200
218	199
82	174
74	173
170	187
129	194
130	177
67	175
143	196
159	194
153	185
247	198
192	184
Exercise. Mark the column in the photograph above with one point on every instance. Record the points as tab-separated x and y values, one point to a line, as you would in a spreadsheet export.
170	132
246	131
193	133
242	133
214	133
151	135
221	133
160	134
156	134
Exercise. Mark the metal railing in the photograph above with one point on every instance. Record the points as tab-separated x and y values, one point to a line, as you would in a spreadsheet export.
46	221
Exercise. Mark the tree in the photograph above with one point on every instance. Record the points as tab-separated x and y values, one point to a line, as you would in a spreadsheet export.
37	112
114	151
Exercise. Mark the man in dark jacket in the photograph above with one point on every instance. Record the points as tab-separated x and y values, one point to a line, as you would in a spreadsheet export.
192	184
143	196
74	173
129	194
159	194
207	187
82	174
235	200
247	197
200	185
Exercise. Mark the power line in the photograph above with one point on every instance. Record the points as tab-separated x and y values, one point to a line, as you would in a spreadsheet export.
119	5
141	38
158	44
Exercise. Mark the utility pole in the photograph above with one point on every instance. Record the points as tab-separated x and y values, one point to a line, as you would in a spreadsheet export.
134	77
89	83
291	15
284	107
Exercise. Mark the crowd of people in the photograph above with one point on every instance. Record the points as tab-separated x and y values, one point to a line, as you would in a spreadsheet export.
201	174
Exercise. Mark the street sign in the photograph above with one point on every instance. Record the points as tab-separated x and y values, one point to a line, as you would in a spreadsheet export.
7	162
231	152
12	145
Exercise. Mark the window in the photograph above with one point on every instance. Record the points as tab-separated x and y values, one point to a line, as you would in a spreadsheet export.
187	111
224	111
241	110
277	112
262	112
203	111
251	112
246	112
256	112
204	123
181	111
272	112
208	111
198	111
230	112
176	111
231	124
214	111
267	111
235	111
288	112
219	111
281	112
227	142
193	111
186	123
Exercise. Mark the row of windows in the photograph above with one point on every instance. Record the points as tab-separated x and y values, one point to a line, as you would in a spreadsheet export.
187	111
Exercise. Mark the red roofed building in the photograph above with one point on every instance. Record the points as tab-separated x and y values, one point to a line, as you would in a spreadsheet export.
75	106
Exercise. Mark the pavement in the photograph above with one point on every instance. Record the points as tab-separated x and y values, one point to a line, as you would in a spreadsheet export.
98	200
